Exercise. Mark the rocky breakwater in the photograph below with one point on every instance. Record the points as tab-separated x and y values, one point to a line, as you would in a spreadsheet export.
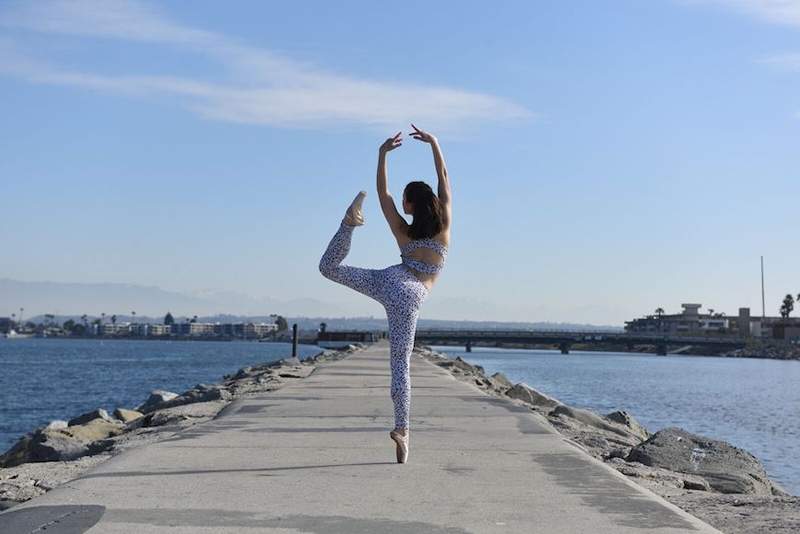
722	484
62	450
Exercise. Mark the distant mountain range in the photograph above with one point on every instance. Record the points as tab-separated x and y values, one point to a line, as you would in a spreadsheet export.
78	298
71	300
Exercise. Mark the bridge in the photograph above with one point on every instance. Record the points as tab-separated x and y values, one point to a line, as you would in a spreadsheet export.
565	339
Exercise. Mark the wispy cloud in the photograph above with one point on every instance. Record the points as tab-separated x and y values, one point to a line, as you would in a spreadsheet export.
261	87
784	61
785	12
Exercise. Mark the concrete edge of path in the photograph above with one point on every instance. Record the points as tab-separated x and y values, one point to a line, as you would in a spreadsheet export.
646	492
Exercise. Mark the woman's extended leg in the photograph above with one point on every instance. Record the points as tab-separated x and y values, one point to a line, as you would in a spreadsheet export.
362	280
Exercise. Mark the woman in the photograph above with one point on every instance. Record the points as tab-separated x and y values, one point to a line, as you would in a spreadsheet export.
401	288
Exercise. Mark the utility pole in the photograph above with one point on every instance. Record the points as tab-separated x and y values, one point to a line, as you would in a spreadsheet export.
763	302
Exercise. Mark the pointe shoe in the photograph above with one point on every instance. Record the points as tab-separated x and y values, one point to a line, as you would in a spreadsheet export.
402	445
354	216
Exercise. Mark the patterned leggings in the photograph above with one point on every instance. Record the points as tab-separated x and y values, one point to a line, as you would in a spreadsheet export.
401	294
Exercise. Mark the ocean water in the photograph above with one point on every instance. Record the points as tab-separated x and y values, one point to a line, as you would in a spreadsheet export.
46	379
753	404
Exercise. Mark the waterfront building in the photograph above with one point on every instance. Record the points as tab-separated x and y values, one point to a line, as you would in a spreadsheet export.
229	329
180	329
159	330
691	321
201	329
259	330
118	329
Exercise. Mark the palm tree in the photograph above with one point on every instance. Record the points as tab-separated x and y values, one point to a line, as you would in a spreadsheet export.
660	314
114	319
787	306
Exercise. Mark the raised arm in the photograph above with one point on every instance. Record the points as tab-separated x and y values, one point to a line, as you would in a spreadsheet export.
441	168
396	221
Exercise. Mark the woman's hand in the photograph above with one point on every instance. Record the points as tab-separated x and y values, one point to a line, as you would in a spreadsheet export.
391	143
425	137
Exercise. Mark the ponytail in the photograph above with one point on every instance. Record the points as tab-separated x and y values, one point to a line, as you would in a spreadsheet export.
427	211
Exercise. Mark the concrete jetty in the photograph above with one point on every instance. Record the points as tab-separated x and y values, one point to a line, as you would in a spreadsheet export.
315	457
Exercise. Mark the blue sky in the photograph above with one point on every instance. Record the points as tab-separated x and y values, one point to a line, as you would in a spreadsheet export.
606	157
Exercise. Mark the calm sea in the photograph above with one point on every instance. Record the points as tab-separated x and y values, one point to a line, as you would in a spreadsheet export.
753	404
46	379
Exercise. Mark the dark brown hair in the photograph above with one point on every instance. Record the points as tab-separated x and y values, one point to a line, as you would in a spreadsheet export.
426	210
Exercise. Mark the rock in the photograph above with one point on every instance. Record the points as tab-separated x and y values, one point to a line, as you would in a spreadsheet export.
590	418
698	485
530	396
90	416
727	469
44	445
199	393
126	416
96	429
289	361
178	414
627	420
658	476
156	397
501	380
57	425
461	365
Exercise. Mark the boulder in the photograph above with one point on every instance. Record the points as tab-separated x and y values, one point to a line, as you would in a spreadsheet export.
727	469
502	380
625	419
95	430
57	424
459	364
591	419
530	396
156	397
91	416
199	393
659	476
126	416
44	445
177	415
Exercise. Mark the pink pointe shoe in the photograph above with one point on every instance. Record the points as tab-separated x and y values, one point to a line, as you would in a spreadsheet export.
402	444
354	216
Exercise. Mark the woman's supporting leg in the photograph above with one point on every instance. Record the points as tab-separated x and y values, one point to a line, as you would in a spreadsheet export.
402	328
362	280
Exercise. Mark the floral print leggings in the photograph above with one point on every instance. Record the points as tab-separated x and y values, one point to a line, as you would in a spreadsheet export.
401	294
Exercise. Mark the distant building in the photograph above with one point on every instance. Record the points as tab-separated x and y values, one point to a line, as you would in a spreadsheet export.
159	330
118	329
787	330
259	330
201	329
180	329
6	325
689	322
693	322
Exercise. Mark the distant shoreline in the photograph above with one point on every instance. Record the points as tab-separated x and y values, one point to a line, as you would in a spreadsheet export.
764	352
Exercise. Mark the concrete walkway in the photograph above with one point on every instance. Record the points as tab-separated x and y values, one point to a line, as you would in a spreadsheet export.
315	457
